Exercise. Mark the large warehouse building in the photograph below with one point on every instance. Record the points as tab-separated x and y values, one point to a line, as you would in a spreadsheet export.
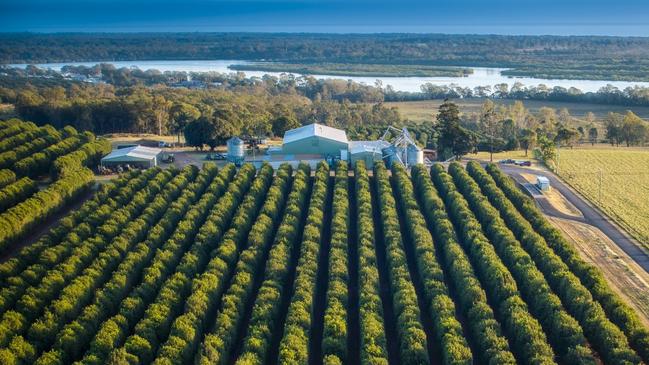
315	142
315	139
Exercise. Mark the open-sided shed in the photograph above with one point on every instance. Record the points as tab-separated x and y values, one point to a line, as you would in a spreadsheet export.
136	156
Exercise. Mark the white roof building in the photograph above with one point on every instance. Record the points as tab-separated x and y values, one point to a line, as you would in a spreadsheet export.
367	146
315	139
368	151
315	130
137	155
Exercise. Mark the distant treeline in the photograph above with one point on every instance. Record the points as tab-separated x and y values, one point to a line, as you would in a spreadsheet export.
312	88
583	57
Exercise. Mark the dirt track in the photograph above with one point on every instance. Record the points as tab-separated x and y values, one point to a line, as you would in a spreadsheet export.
591	215
624	263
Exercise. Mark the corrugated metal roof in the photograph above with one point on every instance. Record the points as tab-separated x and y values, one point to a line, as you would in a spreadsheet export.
315	129
367	146
135	152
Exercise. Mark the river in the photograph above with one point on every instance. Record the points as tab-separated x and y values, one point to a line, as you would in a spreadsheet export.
482	76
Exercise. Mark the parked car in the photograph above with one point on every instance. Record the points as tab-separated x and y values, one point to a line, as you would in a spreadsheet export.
507	161
215	156
169	158
522	163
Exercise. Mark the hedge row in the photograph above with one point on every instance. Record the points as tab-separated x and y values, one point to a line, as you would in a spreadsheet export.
72	340
16	128
88	154
14	193
294	345
616	309
604	336
155	324
186	329
264	319
9	123
564	332
334	337
6	177
37	296
373	342
446	328
40	163
112	332
218	345
29	254
21	218
528	341
57	306
250	237
48	328
412	338
491	345
9	158
26	136
33	261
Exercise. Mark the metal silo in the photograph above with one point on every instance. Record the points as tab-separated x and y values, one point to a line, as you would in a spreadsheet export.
415	155
236	150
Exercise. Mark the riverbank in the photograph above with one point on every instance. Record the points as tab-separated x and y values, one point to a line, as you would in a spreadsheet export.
354	69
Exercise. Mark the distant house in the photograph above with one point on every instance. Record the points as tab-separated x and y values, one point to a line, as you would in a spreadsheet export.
136	156
315	139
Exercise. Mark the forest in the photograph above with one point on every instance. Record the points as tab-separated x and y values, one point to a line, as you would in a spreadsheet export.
585	57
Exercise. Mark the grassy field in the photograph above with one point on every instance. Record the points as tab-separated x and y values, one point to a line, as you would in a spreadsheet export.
624	176
424	111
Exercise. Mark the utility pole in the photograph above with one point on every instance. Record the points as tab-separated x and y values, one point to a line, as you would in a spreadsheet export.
557	168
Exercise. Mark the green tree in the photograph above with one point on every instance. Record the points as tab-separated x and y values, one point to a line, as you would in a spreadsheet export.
634	129
567	136
284	119
614	123
489	125
181	115
199	133
592	135
548	151
527	139
453	139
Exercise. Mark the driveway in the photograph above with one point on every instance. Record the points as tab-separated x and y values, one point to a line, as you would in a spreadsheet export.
591	214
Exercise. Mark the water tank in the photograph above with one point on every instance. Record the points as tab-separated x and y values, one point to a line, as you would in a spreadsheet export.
236	150
415	155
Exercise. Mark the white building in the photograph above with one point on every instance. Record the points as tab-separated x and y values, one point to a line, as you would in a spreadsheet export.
136	156
315	139
368	151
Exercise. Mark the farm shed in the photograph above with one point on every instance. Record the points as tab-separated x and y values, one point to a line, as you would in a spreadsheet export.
138	156
368	151
315	139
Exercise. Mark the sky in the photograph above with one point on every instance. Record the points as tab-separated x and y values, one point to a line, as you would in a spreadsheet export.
535	17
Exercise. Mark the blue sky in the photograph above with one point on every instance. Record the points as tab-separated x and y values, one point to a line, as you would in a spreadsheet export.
578	17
